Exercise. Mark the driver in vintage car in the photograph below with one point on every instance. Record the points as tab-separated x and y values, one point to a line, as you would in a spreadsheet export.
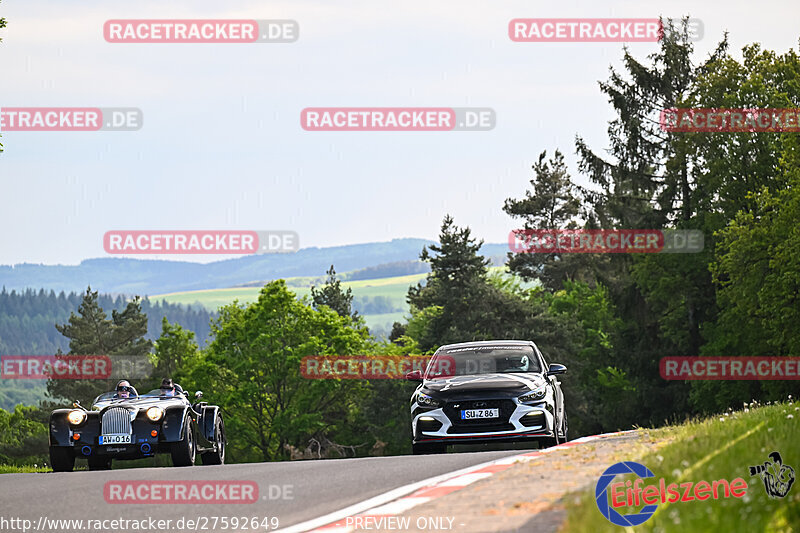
169	388
125	390
125	425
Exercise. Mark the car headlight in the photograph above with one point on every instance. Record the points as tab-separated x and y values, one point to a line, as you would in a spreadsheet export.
76	417
155	413
535	395
424	399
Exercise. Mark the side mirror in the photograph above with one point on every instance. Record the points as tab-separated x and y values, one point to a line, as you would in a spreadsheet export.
197	395
414	375
555	368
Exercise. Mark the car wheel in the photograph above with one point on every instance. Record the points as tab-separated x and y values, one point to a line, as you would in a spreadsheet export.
428	448
61	459
99	463
549	442
565	426
217	457
183	451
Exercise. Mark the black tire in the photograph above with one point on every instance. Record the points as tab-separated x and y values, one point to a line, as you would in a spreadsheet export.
428	448
61	459
217	457
549	442
183	451
99	463
565	426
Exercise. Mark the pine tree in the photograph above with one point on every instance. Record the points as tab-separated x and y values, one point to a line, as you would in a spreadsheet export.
332	295
553	202
91	333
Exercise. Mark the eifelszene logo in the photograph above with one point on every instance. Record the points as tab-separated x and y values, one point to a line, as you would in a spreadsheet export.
778	477
630	494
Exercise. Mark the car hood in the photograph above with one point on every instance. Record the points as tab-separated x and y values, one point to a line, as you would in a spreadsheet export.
511	385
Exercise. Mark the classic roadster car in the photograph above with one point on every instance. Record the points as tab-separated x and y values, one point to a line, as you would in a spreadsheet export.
124	425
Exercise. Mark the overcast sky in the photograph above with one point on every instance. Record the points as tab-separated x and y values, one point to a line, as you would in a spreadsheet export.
222	146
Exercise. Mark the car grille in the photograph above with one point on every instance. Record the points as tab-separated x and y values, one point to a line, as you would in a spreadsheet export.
116	420
485	428
480	425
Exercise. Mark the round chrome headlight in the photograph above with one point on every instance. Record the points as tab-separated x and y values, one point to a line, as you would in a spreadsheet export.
155	413
76	417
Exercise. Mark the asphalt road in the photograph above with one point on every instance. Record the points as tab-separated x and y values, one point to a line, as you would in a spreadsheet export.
294	492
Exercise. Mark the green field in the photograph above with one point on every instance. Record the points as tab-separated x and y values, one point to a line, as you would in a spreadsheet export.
394	288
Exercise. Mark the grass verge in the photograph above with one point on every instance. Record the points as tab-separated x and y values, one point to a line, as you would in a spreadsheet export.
710	449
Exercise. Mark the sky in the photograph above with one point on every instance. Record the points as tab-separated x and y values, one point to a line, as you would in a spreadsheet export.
221	147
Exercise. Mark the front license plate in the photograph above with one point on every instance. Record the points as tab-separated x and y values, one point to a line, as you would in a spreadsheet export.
469	414
115	439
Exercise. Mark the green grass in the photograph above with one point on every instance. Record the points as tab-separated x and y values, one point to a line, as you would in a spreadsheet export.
10	469
710	449
395	288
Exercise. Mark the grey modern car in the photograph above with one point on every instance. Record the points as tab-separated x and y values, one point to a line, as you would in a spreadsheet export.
487	391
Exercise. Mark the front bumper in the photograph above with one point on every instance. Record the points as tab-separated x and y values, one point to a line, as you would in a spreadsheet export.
517	422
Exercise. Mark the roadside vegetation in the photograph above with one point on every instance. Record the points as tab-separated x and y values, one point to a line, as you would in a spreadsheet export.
712	448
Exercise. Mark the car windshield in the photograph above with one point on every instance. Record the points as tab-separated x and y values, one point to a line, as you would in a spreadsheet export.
474	360
114	396
163	392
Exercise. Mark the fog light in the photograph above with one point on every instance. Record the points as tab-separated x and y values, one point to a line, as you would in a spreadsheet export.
76	436
154	433
533	419
428	423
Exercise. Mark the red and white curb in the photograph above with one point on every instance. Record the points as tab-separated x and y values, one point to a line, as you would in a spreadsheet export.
369	513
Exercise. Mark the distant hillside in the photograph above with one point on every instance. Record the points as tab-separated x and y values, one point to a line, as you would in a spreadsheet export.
142	276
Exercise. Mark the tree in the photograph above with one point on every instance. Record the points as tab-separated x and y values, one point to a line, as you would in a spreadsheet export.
252	369
455	285
553	203
332	295
757	271
90	332
173	349
647	182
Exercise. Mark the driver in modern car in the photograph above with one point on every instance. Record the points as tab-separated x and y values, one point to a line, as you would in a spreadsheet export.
125	390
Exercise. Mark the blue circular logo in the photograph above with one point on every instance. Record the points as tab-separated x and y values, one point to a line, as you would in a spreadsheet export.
601	497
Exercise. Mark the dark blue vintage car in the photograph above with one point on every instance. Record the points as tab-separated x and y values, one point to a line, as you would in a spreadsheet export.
132	426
